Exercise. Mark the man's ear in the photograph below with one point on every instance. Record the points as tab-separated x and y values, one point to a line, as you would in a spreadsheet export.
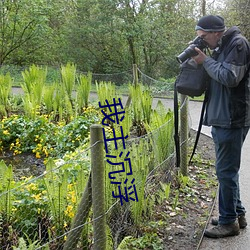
219	34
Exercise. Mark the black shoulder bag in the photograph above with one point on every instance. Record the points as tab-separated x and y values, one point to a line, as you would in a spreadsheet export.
191	81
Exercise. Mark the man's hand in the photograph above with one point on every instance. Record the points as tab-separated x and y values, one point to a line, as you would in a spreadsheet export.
200	58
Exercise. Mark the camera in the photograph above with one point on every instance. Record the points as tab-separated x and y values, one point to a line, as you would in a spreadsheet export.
190	51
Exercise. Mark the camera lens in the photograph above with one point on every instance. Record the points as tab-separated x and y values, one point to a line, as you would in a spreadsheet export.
190	51
187	53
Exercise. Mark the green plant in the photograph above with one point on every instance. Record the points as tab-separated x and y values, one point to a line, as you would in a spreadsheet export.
161	128
138	208
165	190
58	102
22	134
68	74
146	101
28	245
62	104
65	181
83	91
5	90
126	122
58	99
106	91
56	184
30	208
141	103
140	159
34	81
147	241
42	136
48	98
6	204
176	199
6	196
184	181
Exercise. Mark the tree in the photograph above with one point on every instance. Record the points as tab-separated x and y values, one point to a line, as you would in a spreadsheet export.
20	22
237	13
95	41
108	36
102	36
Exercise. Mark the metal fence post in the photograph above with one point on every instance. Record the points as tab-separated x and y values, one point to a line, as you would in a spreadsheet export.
184	135
98	187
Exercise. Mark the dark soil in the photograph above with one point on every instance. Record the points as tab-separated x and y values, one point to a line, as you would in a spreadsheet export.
25	164
187	222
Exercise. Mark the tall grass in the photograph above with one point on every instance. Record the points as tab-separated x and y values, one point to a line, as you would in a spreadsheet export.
56	184
5	90
161	128
68	74
83	91
48	98
141	103
106	91
6	197
33	86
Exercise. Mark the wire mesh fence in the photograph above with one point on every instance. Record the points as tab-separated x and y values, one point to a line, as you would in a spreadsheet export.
57	209
158	87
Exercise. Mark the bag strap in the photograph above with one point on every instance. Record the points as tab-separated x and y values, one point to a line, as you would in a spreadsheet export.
199	127
176	126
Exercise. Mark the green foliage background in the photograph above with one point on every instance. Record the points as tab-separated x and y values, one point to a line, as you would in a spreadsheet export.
106	36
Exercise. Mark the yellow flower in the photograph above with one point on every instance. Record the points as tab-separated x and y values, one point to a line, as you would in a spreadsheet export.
73	199
17	152
69	211
6	132
38	155
31	187
37	196
14	209
45	151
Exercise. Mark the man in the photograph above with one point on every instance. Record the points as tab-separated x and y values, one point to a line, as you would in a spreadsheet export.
228	112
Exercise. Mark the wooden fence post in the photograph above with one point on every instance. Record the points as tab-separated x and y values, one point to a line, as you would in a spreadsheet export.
184	135
135	74
80	218
98	187
135	82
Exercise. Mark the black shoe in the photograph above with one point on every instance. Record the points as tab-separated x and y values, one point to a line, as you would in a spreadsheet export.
221	231
241	219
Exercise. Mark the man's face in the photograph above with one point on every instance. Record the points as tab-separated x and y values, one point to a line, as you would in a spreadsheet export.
211	38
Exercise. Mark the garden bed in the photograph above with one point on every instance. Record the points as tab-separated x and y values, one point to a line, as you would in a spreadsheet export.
178	221
180	216
186	224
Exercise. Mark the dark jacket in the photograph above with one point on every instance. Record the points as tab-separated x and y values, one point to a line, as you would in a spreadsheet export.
229	90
